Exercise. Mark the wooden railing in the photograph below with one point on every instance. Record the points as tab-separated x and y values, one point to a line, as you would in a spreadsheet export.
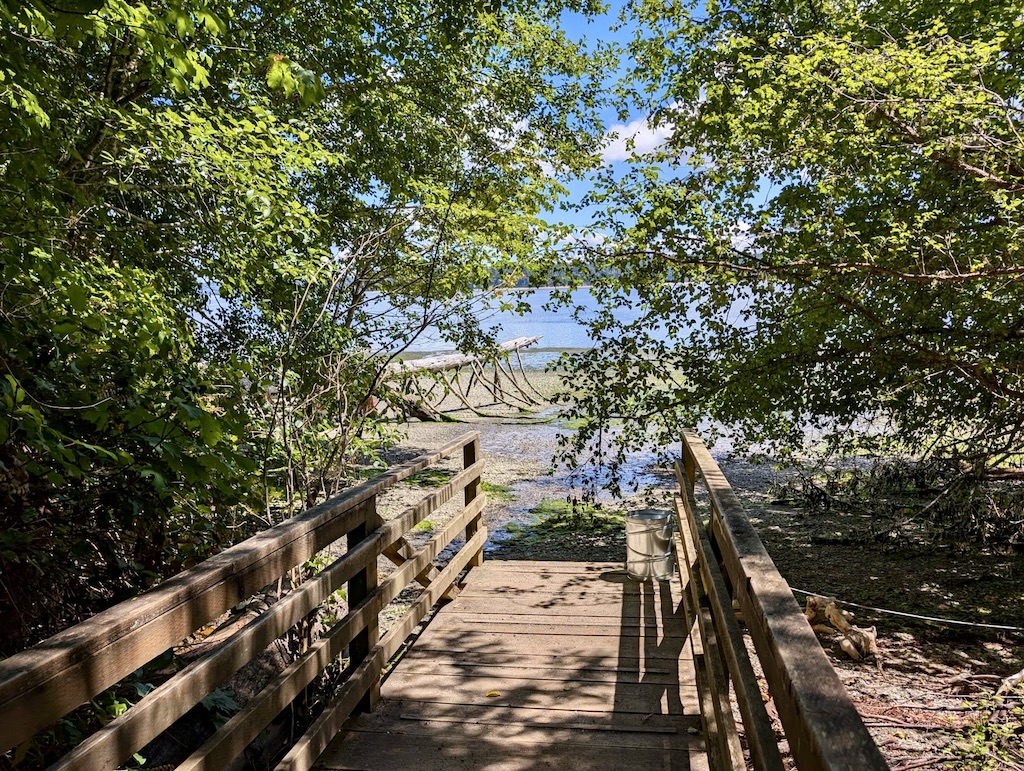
44	683
722	561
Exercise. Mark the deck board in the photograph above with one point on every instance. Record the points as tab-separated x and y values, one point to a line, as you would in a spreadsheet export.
539	665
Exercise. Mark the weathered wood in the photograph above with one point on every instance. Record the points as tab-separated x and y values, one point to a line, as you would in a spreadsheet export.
576	570
470	457
159	709
449	361
538	671
443	752
567	627
117	740
43	683
640	698
522	586
360	587
402	552
760	735
312	744
235	735
488	613
639	736
613	664
723	739
821	723
521	699
626	722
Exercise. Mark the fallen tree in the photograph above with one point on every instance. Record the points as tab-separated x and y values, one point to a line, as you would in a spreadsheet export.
492	370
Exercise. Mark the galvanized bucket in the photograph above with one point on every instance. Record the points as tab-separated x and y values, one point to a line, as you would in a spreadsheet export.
649	545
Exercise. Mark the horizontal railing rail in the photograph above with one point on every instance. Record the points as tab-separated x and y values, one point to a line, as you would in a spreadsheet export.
42	684
725	561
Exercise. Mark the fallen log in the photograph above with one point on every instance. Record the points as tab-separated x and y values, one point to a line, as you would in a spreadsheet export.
449	361
407	376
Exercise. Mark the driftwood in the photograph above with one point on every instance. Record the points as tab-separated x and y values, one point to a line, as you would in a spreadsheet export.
857	643
450	361
1009	683
502	383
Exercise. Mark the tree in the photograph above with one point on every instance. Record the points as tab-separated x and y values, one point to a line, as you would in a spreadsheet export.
218	223
830	238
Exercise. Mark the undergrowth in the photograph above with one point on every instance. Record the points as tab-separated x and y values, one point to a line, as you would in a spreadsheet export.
937	500
994	737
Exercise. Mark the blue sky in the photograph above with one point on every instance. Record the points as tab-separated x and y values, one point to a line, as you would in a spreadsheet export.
635	128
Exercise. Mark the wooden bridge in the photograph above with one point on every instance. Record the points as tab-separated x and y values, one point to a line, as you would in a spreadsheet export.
526	665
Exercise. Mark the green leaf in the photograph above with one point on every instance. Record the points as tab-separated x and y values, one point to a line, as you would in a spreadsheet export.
79	298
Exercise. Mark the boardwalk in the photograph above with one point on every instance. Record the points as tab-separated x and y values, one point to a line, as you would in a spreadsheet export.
537	665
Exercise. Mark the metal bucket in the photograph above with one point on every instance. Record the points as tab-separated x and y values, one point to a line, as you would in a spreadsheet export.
649	544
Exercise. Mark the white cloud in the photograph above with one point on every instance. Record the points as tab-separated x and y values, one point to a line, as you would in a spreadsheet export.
624	140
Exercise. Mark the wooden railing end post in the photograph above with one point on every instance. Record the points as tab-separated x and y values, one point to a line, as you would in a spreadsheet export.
470	455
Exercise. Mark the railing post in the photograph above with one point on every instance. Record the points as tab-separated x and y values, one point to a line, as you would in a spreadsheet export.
470	455
359	586
689	462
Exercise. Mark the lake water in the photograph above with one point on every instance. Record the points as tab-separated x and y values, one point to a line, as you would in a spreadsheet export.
558	330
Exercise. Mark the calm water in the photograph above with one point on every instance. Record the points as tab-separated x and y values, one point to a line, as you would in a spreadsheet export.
558	330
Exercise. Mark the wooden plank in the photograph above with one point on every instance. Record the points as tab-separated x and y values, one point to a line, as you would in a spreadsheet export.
235	735
543	567
669	629
711	732
41	684
119	738
426	711
619	699
638	697
608	582
312	743
402	552
458	615
557	589
447	751
759	734
612	666
616	660
585	648
822	725
511	731
512	607
476	669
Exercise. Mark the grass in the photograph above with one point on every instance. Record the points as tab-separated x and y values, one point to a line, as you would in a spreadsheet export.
497	492
557	516
426	526
430	478
560	531
571	424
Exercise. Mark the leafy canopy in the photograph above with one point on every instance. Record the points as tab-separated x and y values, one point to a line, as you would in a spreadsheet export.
829	240
218	223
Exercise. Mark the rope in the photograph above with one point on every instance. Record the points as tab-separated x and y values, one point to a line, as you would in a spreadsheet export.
933	619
